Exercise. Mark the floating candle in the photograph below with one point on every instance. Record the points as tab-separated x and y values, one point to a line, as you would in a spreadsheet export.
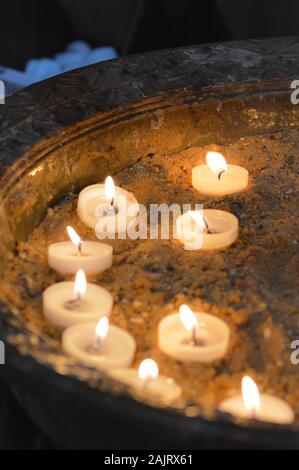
99	345
194	337
66	303
253	405
207	230
107	209
147	379
216	178
69	256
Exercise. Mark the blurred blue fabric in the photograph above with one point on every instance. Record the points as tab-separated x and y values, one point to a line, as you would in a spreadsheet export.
77	54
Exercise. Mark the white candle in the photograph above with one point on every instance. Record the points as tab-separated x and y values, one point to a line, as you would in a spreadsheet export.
99	345
253	405
66	303
107	209
193	337
148	380
216	178
207	230
69	256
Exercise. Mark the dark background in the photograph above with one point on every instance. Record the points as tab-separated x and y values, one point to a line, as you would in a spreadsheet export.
41	28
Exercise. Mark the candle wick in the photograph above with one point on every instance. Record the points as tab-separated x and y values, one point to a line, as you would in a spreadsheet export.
95	347
74	303
253	414
106	209
79	248
114	206
221	173
207	225
195	340
146	382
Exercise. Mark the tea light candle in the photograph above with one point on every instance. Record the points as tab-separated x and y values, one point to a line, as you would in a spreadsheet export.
253	405
194	337
69	256
66	303
207	230
216	178
107	209
148	380
99	345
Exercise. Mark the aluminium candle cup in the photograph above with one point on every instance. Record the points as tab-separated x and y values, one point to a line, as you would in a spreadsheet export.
116	350
95	303
92	197
272	409
94	257
234	180
175	341
224	227
164	388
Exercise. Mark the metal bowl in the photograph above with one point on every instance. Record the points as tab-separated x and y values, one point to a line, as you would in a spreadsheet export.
72	130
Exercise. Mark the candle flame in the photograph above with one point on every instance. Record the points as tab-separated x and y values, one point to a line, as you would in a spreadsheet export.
75	239
188	318
102	329
216	162
80	283
251	395
109	188
148	370
198	219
